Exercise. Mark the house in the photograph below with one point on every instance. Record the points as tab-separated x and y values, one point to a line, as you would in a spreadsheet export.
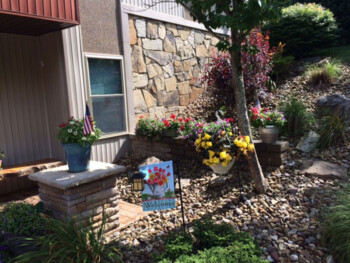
124	58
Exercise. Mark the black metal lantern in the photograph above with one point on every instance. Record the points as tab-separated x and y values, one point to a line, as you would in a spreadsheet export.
138	181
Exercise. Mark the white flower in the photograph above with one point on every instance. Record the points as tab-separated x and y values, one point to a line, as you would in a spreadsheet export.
84	138
75	133
72	122
92	134
70	130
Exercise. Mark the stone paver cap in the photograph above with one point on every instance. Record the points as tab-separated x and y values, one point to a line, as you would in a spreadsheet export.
60	178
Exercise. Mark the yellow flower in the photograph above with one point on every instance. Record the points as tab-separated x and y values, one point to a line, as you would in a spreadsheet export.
209	144
247	139
211	154
251	147
223	155
224	163
223	133
152	176
206	162
244	144
206	136
228	157
230	133
203	144
197	142
215	160
236	141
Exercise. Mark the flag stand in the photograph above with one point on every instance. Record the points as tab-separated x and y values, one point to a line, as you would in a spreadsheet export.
181	200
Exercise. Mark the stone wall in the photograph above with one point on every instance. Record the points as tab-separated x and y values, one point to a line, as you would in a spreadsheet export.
167	62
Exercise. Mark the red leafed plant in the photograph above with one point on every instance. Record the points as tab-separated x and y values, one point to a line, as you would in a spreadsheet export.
256	63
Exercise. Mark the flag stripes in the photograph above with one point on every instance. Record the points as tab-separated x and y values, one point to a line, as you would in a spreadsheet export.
88	124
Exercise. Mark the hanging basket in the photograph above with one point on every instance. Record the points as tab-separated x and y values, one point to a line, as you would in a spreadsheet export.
220	169
78	157
269	134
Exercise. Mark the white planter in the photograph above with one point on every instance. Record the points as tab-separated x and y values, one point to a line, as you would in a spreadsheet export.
220	169
269	134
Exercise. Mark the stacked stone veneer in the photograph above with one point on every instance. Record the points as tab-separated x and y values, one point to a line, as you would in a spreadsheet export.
167	63
82	196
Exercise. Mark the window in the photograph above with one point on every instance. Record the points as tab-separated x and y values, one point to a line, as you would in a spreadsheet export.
107	96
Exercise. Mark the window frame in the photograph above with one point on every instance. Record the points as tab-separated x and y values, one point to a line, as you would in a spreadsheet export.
90	96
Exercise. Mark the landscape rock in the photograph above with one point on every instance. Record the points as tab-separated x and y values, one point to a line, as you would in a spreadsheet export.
308	142
217	181
336	104
323	170
150	160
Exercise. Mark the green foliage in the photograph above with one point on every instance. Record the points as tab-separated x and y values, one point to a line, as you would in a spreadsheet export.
336	225
238	252
341	53
208	234
340	8
332	129
323	74
149	128
69	242
281	64
21	219
73	132
176	244
304	27
266	118
299	119
2	155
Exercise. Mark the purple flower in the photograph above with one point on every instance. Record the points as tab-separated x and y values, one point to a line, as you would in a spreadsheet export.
200	130
2	248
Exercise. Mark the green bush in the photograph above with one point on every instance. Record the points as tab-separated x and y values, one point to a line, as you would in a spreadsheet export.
21	219
299	119
323	74
281	65
303	28
336	225
149	128
332	129
176	244
237	252
67	241
340	9
208	234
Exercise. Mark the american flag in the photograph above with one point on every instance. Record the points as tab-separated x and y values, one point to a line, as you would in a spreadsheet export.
88	124
258	106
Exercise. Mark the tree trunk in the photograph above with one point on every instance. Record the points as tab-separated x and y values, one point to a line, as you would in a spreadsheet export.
242	114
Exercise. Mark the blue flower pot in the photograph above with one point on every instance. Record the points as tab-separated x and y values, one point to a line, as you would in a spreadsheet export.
78	157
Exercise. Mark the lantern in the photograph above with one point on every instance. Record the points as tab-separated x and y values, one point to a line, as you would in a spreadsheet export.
138	181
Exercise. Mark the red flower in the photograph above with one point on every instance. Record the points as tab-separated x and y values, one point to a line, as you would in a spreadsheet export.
173	116
168	174
182	128
156	168
156	180
187	119
141	117
157	173
180	119
255	117
265	109
161	183
160	169
149	170
254	110
62	125
268	118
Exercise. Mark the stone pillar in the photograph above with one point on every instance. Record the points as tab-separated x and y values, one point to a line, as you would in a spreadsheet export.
271	154
80	196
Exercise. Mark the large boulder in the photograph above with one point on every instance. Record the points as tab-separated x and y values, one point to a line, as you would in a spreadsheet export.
323	170
336	104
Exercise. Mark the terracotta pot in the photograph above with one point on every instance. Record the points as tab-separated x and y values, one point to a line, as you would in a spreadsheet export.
269	134
220	169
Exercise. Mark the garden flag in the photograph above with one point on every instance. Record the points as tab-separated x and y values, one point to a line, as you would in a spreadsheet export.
159	191
258	106
88	124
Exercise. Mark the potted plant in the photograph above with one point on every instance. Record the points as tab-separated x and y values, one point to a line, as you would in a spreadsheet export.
220	145
2	156
268	122
77	146
172	126
148	128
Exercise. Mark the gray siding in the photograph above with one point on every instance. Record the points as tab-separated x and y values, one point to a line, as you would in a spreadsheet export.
105	150
170	8
24	132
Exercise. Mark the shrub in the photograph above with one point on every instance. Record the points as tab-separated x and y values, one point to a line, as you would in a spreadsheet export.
67	241
256	63
332	129
21	219
299	119
176	244
281	63
340	8
208	234
336	225
238	252
304	27
324	73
